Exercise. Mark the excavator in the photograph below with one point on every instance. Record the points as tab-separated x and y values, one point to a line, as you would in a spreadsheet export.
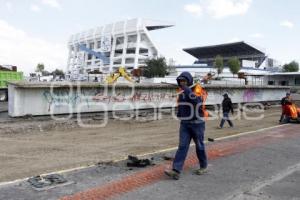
121	72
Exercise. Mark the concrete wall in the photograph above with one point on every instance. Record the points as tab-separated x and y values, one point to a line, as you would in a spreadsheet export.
62	98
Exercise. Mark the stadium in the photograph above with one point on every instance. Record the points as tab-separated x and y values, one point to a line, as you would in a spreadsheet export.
105	49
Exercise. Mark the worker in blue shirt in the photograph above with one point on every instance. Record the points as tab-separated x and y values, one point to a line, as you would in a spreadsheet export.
192	126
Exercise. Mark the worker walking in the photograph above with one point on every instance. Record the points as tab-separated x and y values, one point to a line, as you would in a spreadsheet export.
192	126
284	101
227	108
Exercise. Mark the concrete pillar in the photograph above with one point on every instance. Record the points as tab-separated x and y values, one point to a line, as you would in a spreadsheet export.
137	50
113	48
125	44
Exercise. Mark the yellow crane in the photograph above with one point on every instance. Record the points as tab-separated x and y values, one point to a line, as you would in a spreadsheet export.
120	72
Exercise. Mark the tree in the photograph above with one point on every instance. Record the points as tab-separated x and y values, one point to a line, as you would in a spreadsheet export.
155	67
291	67
58	73
171	67
234	65
40	67
45	73
219	64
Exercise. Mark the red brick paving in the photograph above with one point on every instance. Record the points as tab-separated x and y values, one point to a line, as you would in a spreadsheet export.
156	173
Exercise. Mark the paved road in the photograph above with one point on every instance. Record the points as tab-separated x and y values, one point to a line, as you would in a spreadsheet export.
270	171
263	165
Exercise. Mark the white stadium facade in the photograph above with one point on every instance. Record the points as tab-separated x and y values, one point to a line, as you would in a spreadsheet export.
105	49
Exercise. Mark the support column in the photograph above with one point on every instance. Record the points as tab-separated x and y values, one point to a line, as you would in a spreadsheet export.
137	50
125	43
138	44
112	48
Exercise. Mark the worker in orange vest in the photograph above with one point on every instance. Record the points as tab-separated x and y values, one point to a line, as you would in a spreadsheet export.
192	126
287	100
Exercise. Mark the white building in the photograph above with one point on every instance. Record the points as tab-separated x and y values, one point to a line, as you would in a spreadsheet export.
283	79
104	49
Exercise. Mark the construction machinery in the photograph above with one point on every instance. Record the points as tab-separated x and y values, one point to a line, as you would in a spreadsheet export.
121	72
8	74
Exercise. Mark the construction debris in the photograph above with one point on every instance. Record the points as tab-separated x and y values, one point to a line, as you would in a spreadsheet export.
133	161
169	158
47	182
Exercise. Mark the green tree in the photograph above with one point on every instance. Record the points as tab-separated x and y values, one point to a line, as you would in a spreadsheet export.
234	65
45	73
40	67
155	67
291	67
219	64
58	73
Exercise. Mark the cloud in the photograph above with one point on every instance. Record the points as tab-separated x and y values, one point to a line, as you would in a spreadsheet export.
9	6
235	39
257	35
52	3
35	8
287	24
219	9
224	8
19	48
194	9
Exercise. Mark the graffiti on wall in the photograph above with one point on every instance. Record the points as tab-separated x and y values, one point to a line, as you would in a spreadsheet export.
64	97
60	98
251	95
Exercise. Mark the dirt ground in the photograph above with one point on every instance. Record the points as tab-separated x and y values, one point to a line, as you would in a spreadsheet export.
42	151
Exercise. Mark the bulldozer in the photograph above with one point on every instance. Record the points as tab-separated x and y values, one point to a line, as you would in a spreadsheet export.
121	72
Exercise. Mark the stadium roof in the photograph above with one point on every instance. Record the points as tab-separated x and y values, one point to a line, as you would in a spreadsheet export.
116	28
225	50
155	24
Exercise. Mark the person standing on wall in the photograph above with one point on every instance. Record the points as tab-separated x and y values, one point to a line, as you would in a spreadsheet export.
191	113
227	107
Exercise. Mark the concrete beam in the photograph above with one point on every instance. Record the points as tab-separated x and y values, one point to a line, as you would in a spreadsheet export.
27	98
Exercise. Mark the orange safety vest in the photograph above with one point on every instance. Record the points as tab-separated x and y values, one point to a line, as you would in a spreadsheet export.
291	111
199	91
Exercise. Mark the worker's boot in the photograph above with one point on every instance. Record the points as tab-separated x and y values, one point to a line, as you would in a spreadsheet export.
201	171
172	174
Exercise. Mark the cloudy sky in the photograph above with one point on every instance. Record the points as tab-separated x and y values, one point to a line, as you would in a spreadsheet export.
33	31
